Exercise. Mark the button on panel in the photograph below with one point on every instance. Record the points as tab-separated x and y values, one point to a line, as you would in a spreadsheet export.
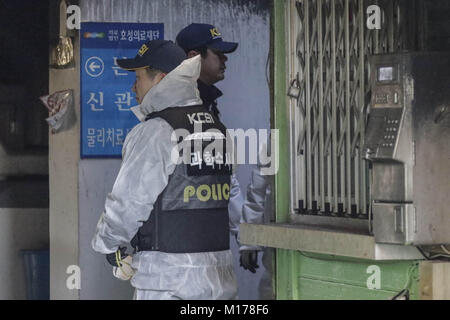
390	131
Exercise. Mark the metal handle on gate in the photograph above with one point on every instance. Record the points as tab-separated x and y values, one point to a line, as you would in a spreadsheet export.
294	89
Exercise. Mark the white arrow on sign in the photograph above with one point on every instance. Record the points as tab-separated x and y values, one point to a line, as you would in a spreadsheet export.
94	66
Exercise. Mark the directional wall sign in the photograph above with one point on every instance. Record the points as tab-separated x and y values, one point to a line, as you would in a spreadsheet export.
106	96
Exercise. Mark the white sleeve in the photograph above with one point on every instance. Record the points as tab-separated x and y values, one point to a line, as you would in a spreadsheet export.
255	202
143	175
235	205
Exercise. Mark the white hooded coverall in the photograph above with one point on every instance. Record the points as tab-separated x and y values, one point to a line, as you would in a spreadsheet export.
144	173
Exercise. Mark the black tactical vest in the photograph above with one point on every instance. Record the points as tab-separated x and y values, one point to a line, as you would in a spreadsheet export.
191	214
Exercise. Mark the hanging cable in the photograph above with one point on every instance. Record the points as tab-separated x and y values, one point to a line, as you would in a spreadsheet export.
404	293
445	249
435	256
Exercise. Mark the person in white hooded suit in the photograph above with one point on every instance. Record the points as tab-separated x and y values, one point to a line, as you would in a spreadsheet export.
172	260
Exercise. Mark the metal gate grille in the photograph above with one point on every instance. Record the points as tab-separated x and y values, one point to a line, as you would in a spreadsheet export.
329	47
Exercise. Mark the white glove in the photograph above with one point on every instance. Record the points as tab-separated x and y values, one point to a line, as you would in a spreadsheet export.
125	272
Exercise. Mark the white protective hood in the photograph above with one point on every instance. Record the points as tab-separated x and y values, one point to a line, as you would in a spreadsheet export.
177	89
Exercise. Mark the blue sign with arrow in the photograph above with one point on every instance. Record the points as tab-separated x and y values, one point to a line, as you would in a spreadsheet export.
106	96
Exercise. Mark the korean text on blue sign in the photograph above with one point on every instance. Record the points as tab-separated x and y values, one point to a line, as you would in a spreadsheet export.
106	96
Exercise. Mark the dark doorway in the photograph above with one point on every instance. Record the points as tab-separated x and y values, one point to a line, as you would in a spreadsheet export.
24	56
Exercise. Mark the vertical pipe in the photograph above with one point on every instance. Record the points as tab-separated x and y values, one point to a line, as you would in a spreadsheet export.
303	76
321	153
295	24
293	128
329	98
342	25
362	115
308	109
347	108
334	105
280	112
279	104
314	103
359	73
300	163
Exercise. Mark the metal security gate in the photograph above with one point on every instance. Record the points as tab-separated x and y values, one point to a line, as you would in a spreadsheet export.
329	50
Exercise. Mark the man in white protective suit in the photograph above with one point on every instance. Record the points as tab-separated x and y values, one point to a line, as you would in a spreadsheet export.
170	198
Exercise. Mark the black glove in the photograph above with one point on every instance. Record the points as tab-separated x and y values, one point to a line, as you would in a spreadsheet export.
119	255
249	259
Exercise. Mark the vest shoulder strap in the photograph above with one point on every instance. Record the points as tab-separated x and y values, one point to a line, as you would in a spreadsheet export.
187	117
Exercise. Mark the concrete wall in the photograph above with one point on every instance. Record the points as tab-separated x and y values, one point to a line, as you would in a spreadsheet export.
97	281
78	187
64	154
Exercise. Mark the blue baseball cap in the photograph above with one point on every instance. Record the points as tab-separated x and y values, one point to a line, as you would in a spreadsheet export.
197	35
163	55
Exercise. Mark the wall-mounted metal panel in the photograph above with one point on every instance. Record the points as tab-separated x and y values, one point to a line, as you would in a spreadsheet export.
410	147
330	46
